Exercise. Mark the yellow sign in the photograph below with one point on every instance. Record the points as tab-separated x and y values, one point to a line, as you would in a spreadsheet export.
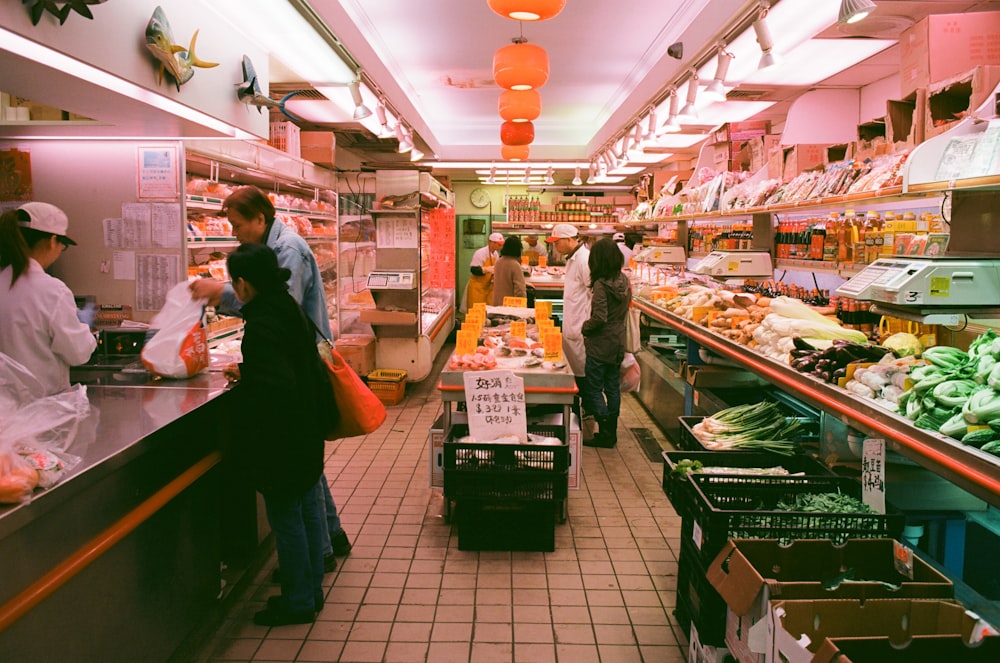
520	302
480	306
475	318
471	327
544	325
518	329
524	259
465	342
543	310
552	343
542	261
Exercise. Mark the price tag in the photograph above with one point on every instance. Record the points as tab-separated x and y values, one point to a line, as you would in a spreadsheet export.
552	344
902	558
475	318
543	311
545	325
873	474
519	329
471	327
524	260
465	342
542	261
495	403
516	302
696	534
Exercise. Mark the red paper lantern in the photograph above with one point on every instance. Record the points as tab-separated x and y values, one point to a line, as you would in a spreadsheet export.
521	66
517	133
520	105
515	152
527	10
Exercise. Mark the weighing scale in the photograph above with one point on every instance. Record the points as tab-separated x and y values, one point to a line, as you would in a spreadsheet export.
736	264
935	282
673	255
392	280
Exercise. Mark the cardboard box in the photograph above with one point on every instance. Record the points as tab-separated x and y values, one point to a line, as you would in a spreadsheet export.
702	376
358	351
802	157
943	45
950	100
376	317
904	119
320	147
699	653
879	631
750	573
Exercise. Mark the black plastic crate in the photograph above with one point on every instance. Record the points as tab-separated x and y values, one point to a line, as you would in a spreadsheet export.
487	471
678	488
741	507
697	601
490	525
687	440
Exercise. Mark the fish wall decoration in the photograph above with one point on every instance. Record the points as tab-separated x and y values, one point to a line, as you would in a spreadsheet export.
60	9
177	60
250	93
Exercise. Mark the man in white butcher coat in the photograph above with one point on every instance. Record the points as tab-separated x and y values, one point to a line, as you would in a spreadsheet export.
576	306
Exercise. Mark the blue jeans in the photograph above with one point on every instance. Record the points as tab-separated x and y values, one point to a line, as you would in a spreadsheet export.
603	382
331	524
297	523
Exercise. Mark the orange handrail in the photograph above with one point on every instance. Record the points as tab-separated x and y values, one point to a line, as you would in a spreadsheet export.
440	324
62	573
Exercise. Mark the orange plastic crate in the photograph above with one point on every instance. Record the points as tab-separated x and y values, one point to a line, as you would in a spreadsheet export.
388	385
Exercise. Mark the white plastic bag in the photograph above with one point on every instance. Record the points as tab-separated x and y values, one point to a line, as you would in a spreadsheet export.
179	349
633	339
629	374
35	431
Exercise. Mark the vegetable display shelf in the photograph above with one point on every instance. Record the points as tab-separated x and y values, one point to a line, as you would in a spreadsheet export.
967	467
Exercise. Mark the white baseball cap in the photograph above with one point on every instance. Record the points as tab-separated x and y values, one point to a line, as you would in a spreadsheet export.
496	237
46	218
562	231
618	237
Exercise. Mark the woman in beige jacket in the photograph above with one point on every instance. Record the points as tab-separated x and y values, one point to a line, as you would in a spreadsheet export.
508	277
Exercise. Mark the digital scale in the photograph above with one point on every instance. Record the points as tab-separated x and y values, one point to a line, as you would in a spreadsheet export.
939	283
392	280
673	255
736	264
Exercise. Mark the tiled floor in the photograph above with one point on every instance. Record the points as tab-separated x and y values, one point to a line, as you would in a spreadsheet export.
408	594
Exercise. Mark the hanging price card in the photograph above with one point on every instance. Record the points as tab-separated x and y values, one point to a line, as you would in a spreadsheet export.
544	325
495	404
465	342
471	327
518	329
517	302
481	307
543	310
873	474
552	343
475	318
542	261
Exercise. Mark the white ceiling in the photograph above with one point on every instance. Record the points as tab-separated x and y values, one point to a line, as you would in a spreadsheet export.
432	59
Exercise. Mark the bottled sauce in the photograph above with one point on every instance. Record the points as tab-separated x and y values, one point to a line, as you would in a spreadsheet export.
889	227
831	239
817	240
872	233
847	237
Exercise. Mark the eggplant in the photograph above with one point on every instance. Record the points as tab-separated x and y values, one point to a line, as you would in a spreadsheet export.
801	344
796	354
840	373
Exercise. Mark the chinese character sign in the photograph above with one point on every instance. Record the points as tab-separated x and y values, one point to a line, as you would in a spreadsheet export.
495	404
873	474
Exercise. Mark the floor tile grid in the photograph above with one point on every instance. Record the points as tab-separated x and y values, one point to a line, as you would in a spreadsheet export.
408	594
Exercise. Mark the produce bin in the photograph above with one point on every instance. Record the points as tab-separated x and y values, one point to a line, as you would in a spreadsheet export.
688	441
678	488
746	508
507	496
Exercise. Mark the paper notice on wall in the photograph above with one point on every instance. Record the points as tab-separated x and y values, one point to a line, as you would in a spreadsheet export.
397	233
124	265
166	225
873	474
154	275
495	405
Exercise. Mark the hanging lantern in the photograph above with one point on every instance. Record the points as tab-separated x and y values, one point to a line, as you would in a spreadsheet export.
517	133
520	105
527	10
515	152
521	66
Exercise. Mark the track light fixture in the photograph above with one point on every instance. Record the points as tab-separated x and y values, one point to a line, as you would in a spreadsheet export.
764	38
852	11
716	90
415	153
592	172
671	125
384	130
527	175
360	110
650	134
550	177
689	112
405	144
576	177
492	179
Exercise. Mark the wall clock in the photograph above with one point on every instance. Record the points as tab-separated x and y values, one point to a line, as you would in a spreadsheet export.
479	197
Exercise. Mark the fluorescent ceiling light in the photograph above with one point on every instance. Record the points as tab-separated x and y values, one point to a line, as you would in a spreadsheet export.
641	156
818	59
484	166
731	111
680	141
852	11
50	58
278	27
627	170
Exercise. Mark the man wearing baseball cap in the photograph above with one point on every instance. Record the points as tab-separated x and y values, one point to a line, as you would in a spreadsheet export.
619	239
480	288
576	307
39	327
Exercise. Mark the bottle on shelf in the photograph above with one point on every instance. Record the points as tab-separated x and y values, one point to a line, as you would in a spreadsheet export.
831	241
817	239
888	235
873	236
847	237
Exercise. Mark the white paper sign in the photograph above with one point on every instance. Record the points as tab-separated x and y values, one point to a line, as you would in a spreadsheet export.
873	474
124	265
495	404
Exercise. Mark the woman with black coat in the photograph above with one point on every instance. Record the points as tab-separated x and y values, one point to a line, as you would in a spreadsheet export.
280	423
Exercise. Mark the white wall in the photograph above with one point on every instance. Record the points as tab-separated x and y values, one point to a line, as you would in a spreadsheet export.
823	117
874	96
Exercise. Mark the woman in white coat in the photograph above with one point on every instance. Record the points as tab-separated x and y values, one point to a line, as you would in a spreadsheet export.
39	327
